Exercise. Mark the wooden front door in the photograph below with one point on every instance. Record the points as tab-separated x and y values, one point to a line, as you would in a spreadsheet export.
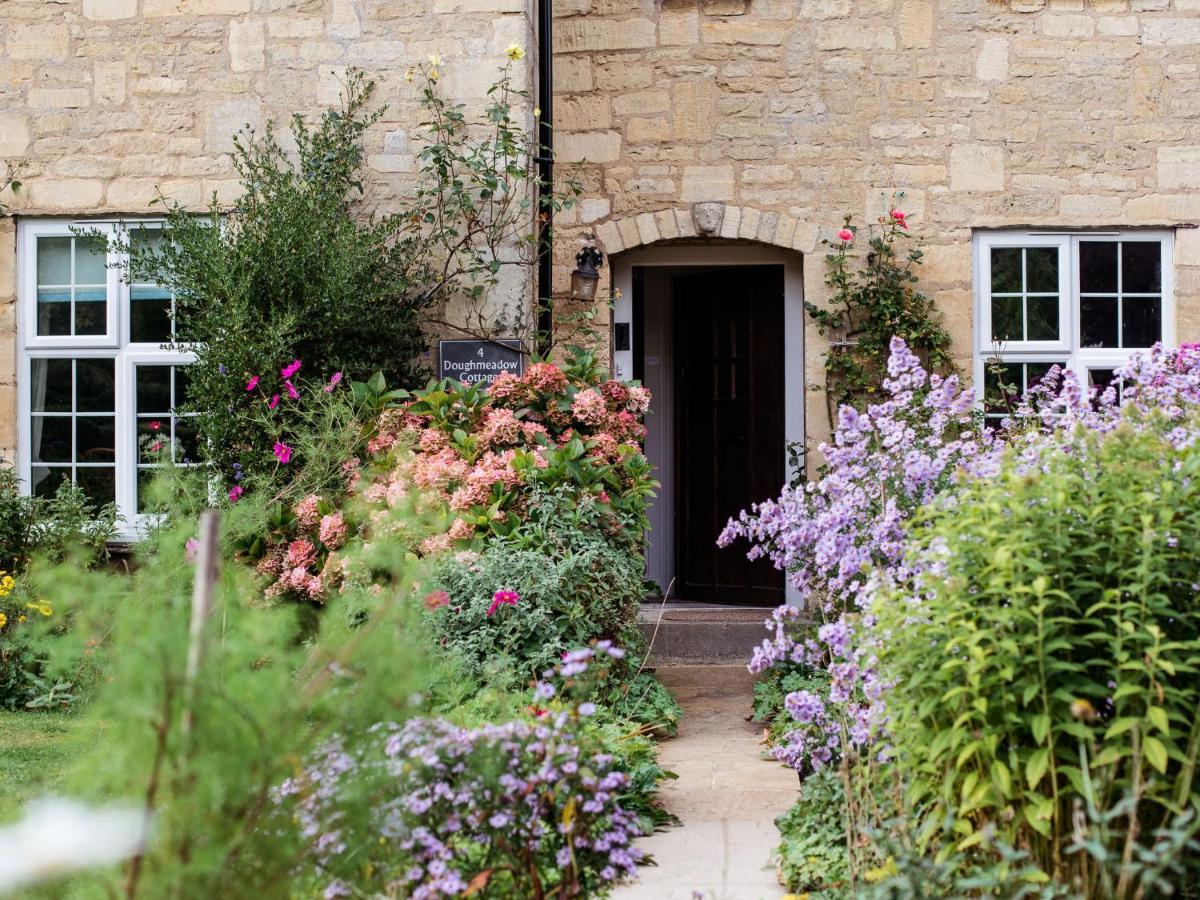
729	452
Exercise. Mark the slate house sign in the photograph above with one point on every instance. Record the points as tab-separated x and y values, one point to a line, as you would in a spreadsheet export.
473	361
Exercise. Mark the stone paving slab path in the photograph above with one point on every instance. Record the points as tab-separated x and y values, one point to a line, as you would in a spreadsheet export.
726	796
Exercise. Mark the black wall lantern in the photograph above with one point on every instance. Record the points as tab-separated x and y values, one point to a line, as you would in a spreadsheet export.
586	274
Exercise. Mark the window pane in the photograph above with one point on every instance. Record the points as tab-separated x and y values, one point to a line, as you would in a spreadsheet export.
1006	319
53	260
90	316
1006	270
90	261
98	482
1042	317
187	441
182	385
1035	372
95	439
1141	267
1098	267
53	313
44	480
1141	321
50	438
153	389
1041	269
149	317
94	386
1098	321
50	385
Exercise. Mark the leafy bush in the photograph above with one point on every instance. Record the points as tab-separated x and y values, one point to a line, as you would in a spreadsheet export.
566	599
302	267
16	522
1051	665
812	856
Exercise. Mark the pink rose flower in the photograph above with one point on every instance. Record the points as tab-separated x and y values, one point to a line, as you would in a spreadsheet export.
845	235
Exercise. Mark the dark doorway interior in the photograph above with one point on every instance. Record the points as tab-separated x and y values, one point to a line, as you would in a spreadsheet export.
729	424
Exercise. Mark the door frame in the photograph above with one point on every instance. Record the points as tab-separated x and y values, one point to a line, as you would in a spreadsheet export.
726	254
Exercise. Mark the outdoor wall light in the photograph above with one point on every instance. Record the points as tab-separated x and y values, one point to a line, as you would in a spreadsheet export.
586	274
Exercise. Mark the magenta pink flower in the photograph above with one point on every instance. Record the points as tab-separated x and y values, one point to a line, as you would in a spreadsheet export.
282	452
899	217
290	370
333	382
273	402
155	425
190	549
292	393
235	493
252	383
845	235
502	598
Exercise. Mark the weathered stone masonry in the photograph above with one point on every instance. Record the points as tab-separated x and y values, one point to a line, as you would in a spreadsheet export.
794	113
109	101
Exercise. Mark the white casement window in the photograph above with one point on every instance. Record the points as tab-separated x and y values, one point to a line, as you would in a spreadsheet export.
98	387
1085	301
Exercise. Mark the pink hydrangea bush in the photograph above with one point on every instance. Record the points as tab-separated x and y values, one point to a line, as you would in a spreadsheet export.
468	462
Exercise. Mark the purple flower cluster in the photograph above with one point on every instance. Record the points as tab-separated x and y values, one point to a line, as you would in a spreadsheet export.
844	535
520	800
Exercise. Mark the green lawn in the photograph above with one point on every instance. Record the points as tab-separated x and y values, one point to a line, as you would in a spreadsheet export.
36	750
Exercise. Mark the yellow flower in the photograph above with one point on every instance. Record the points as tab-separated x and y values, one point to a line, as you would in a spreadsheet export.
20	618
435	60
434	74
408	75
41	607
3	620
514	53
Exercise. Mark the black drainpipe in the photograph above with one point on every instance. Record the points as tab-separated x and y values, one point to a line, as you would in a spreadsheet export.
545	161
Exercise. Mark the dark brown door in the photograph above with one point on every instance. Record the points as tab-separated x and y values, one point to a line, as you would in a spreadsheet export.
730	440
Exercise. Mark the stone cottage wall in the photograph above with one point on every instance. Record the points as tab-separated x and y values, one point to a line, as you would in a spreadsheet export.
108	101
797	112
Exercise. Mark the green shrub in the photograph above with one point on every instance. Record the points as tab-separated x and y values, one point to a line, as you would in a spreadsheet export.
812	855
569	595
1051	672
303	268
16	522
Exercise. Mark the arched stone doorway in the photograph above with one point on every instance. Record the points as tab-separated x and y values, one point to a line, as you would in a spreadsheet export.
715	328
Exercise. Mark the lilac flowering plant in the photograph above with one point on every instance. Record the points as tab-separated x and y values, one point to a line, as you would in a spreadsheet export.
522	808
857	538
837	535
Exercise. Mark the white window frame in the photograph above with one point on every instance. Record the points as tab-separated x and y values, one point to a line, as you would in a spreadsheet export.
1078	359
113	345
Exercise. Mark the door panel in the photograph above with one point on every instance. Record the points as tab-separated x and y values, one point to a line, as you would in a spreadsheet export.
730	428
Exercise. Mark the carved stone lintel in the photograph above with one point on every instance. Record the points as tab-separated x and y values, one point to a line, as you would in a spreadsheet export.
708	217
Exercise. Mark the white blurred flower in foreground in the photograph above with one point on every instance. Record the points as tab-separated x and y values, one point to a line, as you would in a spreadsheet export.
56	837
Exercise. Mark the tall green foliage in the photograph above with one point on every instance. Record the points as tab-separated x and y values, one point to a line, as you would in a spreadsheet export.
302	267
1049	676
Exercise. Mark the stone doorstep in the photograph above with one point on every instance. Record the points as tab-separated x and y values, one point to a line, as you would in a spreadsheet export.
701	633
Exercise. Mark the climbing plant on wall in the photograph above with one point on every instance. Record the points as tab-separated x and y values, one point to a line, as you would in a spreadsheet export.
870	304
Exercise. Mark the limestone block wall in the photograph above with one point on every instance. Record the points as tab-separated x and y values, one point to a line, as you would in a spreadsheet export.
793	113
108	101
